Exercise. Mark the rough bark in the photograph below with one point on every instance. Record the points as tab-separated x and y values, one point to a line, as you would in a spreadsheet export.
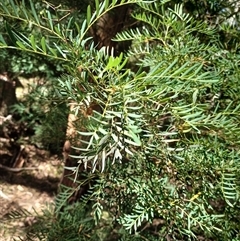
11	155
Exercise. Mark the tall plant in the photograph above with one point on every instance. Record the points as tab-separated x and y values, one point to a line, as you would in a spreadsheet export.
163	147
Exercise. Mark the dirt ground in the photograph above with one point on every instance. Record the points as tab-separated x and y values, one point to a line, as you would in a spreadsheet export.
27	192
30	191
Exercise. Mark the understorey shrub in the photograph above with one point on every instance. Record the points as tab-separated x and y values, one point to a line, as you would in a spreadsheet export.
162	148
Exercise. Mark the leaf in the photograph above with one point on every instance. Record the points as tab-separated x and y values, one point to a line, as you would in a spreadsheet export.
106	4
103	160
156	70
135	138
24	11
135	116
123	64
101	130
21	45
194	96
5	9
49	17
114	2
88	14
113	62
34	12
43	44
94	164
57	29
189	70
86	133
132	142
117	155
97	6
2	40
103	141
33	43
10	33
60	51
14	7
53	51
115	138
202	78
229	187
83	28
191	116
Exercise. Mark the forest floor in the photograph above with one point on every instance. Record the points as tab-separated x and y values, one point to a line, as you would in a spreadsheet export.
25	195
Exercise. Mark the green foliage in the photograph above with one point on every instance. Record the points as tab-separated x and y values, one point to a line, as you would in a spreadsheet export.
164	147
43	114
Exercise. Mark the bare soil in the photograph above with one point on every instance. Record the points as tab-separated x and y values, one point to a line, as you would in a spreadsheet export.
28	191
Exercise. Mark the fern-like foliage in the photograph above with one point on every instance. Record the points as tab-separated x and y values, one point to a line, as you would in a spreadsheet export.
157	125
230	183
64	42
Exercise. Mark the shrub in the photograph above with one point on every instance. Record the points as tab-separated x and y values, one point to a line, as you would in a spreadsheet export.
163	150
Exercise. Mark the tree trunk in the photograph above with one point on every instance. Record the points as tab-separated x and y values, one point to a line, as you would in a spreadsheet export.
10	151
7	93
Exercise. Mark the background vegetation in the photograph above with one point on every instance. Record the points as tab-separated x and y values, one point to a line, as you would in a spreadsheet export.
158	116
